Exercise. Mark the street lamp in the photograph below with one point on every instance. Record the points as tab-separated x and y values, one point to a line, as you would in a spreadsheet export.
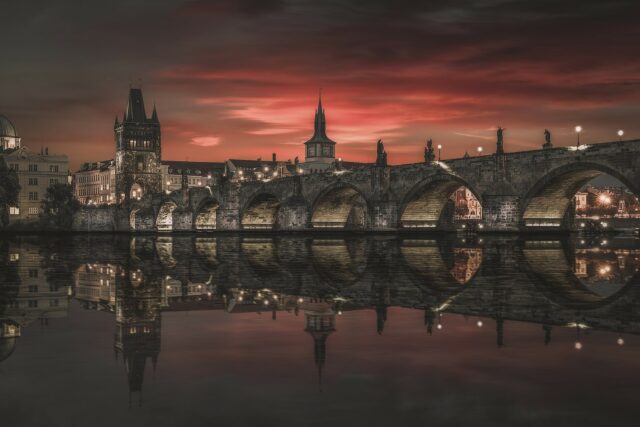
620	134
578	130
480	151
439	151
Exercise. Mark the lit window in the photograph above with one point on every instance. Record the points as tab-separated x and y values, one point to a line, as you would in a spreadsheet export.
14	210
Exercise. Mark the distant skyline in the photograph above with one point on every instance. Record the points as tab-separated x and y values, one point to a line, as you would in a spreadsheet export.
241	79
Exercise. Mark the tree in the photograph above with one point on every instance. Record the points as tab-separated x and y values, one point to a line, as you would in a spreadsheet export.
58	207
9	191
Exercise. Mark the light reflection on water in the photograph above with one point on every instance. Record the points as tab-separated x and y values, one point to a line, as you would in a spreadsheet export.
378	330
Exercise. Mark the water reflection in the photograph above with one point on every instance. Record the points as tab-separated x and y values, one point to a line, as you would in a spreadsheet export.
567	284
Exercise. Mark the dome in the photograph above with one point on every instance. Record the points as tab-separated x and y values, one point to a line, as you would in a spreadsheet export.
7	128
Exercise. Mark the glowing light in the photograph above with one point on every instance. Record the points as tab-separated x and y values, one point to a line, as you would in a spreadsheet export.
578	129
578	345
439	146
439	326
620	341
620	133
480	150
479	323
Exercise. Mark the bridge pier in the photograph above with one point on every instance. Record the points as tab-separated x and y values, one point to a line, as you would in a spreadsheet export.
293	216
501	212
384	216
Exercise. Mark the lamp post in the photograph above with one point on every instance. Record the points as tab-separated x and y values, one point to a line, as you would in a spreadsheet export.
620	134
439	151
480	151
578	130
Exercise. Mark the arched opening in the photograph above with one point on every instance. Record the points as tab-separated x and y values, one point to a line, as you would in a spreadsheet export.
132	219
439	203
582	274
340	207
261	213
164	220
136	192
339	263
585	191
206	216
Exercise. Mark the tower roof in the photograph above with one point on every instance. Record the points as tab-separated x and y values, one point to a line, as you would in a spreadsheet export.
135	111
320	126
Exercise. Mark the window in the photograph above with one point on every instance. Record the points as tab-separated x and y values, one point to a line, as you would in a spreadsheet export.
33	289
14	167
54	168
34	211
33	303
33	195
53	181
33	168
33	181
33	273
14	257
53	303
14	210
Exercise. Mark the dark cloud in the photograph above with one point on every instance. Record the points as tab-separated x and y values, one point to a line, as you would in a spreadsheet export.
398	69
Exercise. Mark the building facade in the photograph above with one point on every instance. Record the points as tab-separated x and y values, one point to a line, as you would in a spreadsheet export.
95	183
36	172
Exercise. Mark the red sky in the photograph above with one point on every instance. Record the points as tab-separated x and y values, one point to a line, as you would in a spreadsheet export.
241	79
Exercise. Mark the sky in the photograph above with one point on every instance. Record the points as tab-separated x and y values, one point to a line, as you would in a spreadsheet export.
240	79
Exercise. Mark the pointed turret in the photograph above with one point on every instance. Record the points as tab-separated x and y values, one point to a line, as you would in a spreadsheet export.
154	115
116	123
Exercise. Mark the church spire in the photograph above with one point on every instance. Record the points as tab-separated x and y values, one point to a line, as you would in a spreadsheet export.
320	124
154	115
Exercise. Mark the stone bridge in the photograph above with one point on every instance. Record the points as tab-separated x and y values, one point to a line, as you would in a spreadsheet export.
531	190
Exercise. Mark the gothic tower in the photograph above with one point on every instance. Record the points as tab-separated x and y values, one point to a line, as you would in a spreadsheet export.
319	150
137	150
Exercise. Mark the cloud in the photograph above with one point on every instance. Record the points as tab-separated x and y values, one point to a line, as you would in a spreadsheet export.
205	141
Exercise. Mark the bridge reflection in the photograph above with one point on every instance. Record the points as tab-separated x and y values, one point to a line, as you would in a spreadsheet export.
555	283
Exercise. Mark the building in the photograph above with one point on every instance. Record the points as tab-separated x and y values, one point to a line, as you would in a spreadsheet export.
177	175
36	172
260	170
320	151
138	150
466	204
95	183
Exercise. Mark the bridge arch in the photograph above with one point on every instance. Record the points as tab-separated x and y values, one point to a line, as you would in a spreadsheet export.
261	212
340	206
547	202
550	267
164	220
205	215
428	204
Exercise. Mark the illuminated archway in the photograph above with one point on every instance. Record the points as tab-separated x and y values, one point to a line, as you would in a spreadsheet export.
261	213
164	220
132	219
206	216
136	192
547	203
340	207
438	202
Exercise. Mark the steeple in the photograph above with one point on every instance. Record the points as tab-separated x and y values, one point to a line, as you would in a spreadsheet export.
154	115
320	124
116	122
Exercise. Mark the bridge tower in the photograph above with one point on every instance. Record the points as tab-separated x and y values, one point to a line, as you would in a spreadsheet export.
138	150
320	151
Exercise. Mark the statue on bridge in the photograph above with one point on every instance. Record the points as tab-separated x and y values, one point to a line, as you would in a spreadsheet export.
381	158
429	155
547	140
500	143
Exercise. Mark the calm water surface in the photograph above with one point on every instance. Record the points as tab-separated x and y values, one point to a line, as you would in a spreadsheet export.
319	330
